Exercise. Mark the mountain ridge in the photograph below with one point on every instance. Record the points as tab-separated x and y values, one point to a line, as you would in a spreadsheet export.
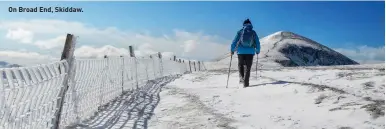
289	49
4	64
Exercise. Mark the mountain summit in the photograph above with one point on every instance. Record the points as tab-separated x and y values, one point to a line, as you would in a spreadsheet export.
288	49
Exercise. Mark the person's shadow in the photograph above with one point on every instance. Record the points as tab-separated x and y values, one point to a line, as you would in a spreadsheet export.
274	83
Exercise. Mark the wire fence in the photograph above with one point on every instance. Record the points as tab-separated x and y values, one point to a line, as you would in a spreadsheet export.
29	95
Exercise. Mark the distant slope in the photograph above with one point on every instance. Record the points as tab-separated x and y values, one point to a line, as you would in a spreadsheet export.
4	64
287	49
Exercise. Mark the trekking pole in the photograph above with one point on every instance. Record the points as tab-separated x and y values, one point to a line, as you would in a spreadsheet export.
230	63
257	61
229	70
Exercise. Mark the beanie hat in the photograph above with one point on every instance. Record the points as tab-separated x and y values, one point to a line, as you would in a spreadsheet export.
247	22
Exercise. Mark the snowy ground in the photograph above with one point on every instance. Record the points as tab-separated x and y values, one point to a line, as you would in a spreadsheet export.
277	99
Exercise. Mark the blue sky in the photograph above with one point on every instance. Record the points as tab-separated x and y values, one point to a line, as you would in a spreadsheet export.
344	25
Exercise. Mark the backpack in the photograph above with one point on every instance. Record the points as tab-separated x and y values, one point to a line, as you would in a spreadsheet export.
247	38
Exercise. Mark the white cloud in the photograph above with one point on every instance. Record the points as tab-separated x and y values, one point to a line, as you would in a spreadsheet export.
191	45
365	54
93	52
21	54
145	49
51	43
20	35
25	58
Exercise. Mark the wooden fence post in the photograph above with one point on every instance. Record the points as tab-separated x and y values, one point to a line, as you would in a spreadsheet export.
159	55
132	54
183	61
174	58
190	66
67	54
194	64
123	72
202	65
161	65
67	47
131	51
199	67
151	57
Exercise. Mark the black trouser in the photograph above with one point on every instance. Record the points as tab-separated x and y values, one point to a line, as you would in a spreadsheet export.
247	60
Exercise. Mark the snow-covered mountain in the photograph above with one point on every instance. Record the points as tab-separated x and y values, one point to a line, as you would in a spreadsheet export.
290	49
287	49
4	64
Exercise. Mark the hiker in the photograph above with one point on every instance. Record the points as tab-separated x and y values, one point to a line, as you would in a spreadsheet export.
247	44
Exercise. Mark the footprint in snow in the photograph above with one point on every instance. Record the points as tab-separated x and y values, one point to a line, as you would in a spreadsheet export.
247	115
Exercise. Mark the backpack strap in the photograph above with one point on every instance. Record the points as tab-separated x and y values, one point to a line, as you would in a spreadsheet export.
253	38
240	36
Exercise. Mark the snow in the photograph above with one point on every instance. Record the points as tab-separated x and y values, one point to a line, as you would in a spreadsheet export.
352	81
270	103
286	98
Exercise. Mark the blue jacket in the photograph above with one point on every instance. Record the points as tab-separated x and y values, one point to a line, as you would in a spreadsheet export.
245	50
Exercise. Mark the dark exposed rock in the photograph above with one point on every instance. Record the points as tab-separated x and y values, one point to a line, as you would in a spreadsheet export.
308	56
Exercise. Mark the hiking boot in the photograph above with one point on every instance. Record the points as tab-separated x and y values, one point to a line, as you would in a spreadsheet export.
246	85
241	80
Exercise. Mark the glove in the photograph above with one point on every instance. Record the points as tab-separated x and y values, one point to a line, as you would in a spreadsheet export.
257	53
232	53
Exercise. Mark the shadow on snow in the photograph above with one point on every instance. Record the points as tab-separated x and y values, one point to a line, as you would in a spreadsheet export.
273	83
131	110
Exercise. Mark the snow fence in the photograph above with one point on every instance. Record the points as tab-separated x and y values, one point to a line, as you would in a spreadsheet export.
29	95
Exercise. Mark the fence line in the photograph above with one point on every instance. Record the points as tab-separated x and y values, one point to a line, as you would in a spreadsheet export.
29	95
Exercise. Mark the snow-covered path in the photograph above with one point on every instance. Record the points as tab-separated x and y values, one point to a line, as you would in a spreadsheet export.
276	99
201	101
180	109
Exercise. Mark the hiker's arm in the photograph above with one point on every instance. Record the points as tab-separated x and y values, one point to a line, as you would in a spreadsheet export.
234	42
257	44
